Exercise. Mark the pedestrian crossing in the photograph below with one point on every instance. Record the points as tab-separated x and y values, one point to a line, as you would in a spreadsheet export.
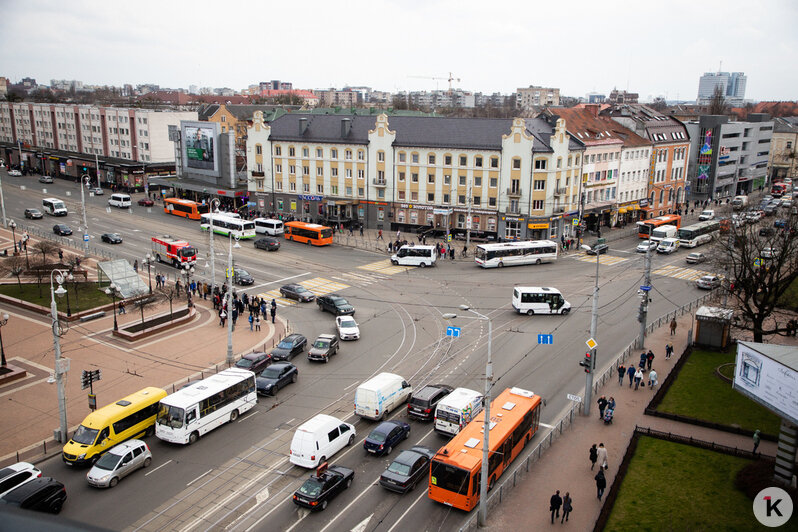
384	266
688	274
318	285
604	260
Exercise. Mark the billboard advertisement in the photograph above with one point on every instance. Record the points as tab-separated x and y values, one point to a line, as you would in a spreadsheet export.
201	147
767	381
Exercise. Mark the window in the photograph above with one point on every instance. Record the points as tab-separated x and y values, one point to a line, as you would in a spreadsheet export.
537	205
319	153
447	180
477	181
540	184
348	155
431	179
348	191
517	163
361	191
414	177
320	189
431	197
291	169
431	158
361	156
362	174
401	195
291	151
334	190
540	164
494	162
413	196
462	180
402	156
401	176
446	198
461	199
477	200
306	187
258	149
334	171
305	152
292	186
447	160
320	171
306	170
463	160
478	161
348	173
333	153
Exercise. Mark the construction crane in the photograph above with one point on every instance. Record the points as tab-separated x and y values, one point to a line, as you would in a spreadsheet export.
449	79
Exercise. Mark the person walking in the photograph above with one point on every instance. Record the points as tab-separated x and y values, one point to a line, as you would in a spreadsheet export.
757	438
621	374
554	505
234	316
567	506
136	265
379	235
668	350
638	377
121	307
602	404
251	323
257	323
177	287
630	372
673	326
273	310
601	484
611	403
593	456
652	380
602	457
649	359
643	358
222	317
451	252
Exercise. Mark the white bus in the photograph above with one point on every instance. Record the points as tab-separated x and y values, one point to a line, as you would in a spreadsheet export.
456	410
54	207
269	226
515	253
224	224
189	413
415	256
539	300
697	234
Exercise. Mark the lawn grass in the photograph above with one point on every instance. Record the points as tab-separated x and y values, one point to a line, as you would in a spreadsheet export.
88	296
672	486
697	392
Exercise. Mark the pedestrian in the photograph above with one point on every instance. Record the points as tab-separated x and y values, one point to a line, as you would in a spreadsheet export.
668	350
621	374
652	380
630	372
361	230
756	440
638	378
673	326
234	315
566	507
251	323
611	403
602	457
379	235
121	307
554	505
222	317
602	404
593	456
177	287
60	255
136	265
257	322
601	484
451	252
398	235
273	311
643	358
649	359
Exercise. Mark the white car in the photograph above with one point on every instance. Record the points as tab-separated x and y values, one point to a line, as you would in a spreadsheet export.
347	328
769	253
645	245
14	172
753	216
119	462
15	475
706	215
708	282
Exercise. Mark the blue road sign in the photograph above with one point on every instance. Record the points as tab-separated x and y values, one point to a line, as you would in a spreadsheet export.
645	288
546	339
453	331
85	238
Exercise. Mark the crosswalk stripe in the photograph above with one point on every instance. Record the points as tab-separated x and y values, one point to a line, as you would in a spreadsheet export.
603	259
384	267
688	274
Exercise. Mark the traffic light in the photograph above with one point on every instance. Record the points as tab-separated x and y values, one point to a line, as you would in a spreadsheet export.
85	169
587	363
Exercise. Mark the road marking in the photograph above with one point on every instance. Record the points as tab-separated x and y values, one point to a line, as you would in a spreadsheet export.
260	497
302	513
156	469
350	386
677	272
361	526
248	416
545	425
420	496
605	259
199	477
290	421
339	514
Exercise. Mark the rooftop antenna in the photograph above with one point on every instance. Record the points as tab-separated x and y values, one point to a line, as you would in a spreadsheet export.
720	68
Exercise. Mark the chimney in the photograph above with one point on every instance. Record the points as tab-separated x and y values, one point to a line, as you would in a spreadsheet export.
346	127
593	108
303	126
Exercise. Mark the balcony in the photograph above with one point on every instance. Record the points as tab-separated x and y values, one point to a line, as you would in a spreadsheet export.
513	209
560	191
514	192
257	174
379	182
559	209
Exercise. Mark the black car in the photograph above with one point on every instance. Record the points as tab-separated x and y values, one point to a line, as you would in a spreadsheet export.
268	243
44	494
111	238
33	214
335	304
243	277
598	249
62	229
422	404
385	437
325	346
317	491
297	291
275	377
767	231
407	469
289	347
255	362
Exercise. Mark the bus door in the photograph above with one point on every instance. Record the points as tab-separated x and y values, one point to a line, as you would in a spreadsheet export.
507	450
555	302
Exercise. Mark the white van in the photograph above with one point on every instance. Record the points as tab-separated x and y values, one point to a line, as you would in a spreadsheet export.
375	398
54	207
415	256
539	300
668	245
121	201
739	202
317	439
268	226
664	231
456	410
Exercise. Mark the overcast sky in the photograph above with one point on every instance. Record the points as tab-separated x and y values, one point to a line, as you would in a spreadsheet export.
653	48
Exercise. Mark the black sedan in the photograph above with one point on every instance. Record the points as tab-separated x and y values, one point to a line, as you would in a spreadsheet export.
33	214
297	291
317	491
598	249
407	469
111	238
62	229
275	377
255	362
268	243
335	304
385	436
243	277
289	347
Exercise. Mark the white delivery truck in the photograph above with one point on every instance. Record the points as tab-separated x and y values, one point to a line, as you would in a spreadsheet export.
740	202
664	231
375	398
456	410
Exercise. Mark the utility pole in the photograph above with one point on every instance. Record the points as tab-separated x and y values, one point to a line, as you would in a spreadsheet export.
84	177
468	214
593	324
643	315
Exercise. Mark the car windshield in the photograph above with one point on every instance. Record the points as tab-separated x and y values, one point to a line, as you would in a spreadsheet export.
113	235
270	373
245	363
108	461
300	289
399	469
85	435
377	436
170	416
243	273
694	255
348	324
187	252
322	344
286	344
311	487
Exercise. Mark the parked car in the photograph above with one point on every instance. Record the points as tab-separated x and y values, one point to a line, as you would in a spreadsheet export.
111	238
347	328
423	402
297	291
336	304
317	491
97	191
15	475
62	229
255	362
33	214
770	208
769	253
268	243
276	376
695	257
325	346
43	179
146	202
42	494
708	282
780	223
753	216
16	173
243	277
289	347
598	249
767	232
786	203
385	437
708	214
407	469
120	461
645	245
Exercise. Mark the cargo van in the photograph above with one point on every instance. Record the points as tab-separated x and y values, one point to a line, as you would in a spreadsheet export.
664	231
539	300
121	201
268	226
668	245
375	398
456	410
739	202
318	439
415	256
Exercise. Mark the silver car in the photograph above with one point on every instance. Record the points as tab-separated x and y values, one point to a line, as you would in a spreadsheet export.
119	462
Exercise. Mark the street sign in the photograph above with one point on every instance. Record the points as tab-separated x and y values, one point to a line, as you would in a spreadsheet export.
573	397
85	238
449	238
92	401
591	343
453	331
546	339
645	288
575	222
757	262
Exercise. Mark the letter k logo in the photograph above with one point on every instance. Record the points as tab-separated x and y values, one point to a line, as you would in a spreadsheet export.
772	507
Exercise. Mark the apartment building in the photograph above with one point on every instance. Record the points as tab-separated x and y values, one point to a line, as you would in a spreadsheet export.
532	96
783	161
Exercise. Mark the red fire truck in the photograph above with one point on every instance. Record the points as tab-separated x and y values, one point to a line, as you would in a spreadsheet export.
177	252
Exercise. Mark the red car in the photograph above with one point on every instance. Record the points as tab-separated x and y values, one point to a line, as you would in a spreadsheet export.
146	202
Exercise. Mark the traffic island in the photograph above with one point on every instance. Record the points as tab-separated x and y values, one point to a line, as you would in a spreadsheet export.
155	324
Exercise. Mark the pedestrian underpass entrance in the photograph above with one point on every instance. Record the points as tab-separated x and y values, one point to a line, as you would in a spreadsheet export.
122	274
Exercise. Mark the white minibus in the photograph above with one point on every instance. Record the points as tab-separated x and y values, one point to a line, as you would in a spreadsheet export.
456	410
539	300
415	256
268	226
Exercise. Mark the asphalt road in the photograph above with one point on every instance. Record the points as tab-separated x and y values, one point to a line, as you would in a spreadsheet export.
242	471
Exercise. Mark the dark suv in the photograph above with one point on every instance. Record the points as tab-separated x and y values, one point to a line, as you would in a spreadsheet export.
289	347
325	346
43	494
335	304
422	404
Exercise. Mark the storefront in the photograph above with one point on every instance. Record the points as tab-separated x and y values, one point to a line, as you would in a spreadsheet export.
628	213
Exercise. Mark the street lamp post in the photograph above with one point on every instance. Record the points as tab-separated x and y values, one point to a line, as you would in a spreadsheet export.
148	262
83	178
3	204
229	276
593	324
111	291
2	350
60	367
187	272
13	225
210	233
69	308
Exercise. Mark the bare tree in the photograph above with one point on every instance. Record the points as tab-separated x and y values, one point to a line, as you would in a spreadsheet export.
717	105
169	293
16	267
45	247
144	300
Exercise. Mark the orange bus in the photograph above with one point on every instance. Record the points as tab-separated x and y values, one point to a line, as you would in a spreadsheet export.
456	468
318	235
645	228
185	208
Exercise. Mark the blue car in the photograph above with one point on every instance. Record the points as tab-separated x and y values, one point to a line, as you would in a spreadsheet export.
385	437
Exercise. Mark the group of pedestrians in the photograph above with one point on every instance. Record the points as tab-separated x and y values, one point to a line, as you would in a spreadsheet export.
636	375
597	454
257	307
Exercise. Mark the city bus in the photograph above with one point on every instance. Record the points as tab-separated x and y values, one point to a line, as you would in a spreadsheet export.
645	228
503	254
224	224
318	235
456	468
112	424
698	233
197	409
185	208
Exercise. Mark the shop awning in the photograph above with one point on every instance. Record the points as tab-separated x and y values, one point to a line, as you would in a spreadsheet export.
622	210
